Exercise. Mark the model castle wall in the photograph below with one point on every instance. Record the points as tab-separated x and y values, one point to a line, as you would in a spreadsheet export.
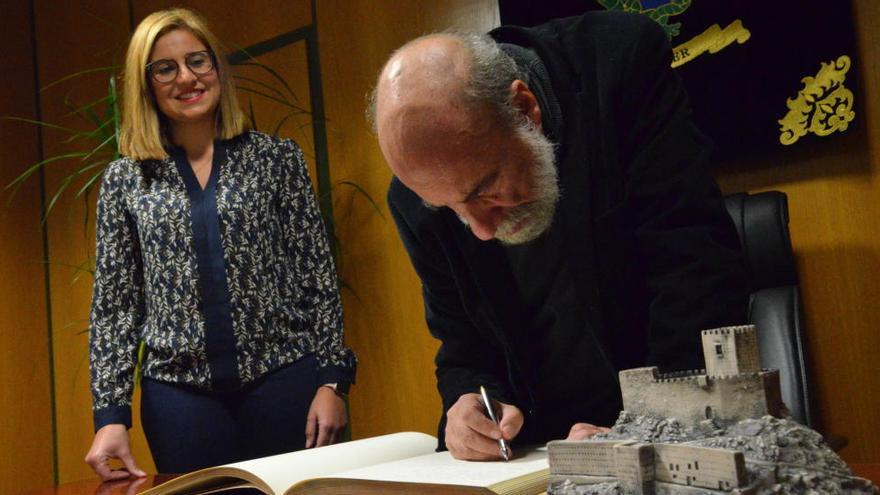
695	398
638	466
733	386
718	469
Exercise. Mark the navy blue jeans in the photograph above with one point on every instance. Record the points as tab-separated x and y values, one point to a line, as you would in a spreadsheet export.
190	429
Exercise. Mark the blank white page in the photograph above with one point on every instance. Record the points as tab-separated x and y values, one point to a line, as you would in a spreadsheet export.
441	468
283	470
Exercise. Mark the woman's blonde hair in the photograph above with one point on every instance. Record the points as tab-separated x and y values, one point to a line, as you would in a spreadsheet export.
144	133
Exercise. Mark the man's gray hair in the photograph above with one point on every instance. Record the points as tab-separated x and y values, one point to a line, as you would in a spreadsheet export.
492	71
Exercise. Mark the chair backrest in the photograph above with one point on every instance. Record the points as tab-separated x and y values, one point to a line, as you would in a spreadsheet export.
762	224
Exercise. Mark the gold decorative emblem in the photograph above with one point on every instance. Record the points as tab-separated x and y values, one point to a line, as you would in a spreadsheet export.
658	10
822	107
712	40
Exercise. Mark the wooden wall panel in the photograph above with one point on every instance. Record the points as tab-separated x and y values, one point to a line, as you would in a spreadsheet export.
25	392
833	188
291	64
71	37
385	324
239	24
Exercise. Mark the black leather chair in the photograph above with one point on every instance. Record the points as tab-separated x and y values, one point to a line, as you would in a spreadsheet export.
762	223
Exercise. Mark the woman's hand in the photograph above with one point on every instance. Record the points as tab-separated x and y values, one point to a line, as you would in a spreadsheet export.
327	419
111	442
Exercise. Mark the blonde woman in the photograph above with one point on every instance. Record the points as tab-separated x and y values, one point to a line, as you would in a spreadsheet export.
212	253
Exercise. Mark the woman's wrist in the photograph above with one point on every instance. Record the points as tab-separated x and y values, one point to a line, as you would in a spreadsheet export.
339	388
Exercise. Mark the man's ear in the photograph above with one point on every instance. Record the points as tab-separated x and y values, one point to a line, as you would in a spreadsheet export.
526	101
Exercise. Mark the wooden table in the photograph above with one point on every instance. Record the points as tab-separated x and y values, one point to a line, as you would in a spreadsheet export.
132	487
95	487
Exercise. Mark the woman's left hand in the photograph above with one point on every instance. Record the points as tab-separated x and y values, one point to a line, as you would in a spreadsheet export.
327	419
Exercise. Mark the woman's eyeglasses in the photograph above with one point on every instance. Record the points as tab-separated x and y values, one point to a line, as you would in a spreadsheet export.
165	70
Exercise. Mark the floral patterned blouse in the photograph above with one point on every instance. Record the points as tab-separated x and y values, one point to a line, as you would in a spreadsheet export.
222	284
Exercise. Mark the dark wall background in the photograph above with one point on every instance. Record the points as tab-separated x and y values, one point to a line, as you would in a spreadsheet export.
739	93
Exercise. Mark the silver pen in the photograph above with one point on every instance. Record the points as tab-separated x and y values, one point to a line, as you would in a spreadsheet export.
487	403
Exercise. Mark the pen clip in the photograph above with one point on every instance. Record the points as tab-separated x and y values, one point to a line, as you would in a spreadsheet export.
487	403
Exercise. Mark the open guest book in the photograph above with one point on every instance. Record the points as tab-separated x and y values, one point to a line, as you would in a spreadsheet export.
400	463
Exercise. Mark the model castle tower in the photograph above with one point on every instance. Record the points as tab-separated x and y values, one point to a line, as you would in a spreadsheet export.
732	387
731	351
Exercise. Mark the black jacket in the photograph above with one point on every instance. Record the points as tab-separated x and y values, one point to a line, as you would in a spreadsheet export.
654	255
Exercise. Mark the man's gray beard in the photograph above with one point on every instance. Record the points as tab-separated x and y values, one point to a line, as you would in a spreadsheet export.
538	214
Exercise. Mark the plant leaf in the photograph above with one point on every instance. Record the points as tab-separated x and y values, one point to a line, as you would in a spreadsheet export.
96	148
89	183
66	182
84	113
86	106
346	286
95	133
80	73
115	106
86	209
261	83
282	121
363	192
270	97
273	72
251	113
42	124
93	117
18	181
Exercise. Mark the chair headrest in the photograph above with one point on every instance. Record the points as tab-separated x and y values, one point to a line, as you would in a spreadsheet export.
762	224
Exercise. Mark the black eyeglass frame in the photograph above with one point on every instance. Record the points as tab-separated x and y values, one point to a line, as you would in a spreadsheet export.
186	58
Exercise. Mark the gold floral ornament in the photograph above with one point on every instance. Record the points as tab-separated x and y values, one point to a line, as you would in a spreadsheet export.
822	107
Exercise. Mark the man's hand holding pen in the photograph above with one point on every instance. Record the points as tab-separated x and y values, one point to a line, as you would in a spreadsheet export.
471	435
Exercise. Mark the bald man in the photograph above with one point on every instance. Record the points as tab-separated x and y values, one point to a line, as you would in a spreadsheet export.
555	200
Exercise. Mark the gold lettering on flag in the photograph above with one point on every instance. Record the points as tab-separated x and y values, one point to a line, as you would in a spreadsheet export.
712	40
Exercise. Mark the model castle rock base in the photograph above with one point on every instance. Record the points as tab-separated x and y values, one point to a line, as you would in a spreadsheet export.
719	430
779	456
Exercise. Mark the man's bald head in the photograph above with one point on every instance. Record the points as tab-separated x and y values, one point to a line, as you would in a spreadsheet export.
420	98
425	68
467	71
442	88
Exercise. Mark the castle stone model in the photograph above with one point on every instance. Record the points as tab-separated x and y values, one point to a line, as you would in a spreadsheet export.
718	430
733	386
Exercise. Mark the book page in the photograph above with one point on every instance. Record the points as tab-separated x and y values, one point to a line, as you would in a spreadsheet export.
441	468
277	473
282	471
